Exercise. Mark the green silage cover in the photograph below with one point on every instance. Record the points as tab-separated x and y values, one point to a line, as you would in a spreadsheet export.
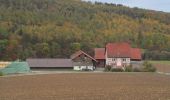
16	67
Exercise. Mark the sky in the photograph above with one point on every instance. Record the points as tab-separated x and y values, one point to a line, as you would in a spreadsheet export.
159	5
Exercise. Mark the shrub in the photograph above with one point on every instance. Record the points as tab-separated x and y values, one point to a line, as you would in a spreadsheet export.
148	67
128	68
1	74
86	69
117	70
108	68
137	70
157	55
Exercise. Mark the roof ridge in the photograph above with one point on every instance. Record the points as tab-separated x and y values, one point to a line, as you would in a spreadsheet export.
74	55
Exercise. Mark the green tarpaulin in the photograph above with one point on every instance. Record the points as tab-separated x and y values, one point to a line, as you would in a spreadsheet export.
16	67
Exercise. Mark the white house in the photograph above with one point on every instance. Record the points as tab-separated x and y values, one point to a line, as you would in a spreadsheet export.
118	55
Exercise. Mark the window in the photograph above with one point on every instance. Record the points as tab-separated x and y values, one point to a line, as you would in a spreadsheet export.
85	57
109	59
128	60
124	59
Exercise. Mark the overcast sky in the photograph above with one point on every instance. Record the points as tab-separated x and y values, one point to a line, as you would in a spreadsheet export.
159	5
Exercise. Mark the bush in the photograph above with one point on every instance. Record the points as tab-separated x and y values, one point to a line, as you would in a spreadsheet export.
128	68
157	55
1	74
148	67
117	70
86	69
107	68
137	70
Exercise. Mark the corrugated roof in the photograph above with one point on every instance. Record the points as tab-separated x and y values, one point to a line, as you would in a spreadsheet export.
75	55
99	53
48	62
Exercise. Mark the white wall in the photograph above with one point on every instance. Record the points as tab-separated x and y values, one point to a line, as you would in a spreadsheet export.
117	61
83	67
76	68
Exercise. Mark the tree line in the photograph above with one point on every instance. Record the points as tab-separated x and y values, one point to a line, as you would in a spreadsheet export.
58	28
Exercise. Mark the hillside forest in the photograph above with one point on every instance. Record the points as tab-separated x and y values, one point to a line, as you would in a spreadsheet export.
58	28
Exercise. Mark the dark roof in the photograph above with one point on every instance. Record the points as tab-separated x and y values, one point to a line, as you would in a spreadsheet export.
136	54
118	50
99	53
75	55
49	62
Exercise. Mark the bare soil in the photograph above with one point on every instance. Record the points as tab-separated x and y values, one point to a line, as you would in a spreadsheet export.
86	86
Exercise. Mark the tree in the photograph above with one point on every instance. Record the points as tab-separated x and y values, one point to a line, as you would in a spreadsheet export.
79	25
55	50
42	50
75	47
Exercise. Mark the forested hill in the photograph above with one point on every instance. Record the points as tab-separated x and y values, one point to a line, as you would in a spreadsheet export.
57	28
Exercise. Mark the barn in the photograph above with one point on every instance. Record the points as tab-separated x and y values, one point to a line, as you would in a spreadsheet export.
83	61
49	63
100	57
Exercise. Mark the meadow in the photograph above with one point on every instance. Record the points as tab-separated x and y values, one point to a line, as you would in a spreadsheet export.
162	66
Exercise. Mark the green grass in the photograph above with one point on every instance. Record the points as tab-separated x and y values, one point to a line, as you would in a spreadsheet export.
160	62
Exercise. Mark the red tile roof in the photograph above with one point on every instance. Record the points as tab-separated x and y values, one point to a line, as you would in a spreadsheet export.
118	50
99	53
136	54
73	56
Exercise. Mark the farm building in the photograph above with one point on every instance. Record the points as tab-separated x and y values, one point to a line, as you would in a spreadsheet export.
117	55
100	57
79	61
83	61
48	63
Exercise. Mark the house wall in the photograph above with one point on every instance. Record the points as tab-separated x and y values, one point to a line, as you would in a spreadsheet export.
118	62
83	62
100	63
83	67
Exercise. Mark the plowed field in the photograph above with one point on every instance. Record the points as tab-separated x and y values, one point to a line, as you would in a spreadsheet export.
162	66
86	86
